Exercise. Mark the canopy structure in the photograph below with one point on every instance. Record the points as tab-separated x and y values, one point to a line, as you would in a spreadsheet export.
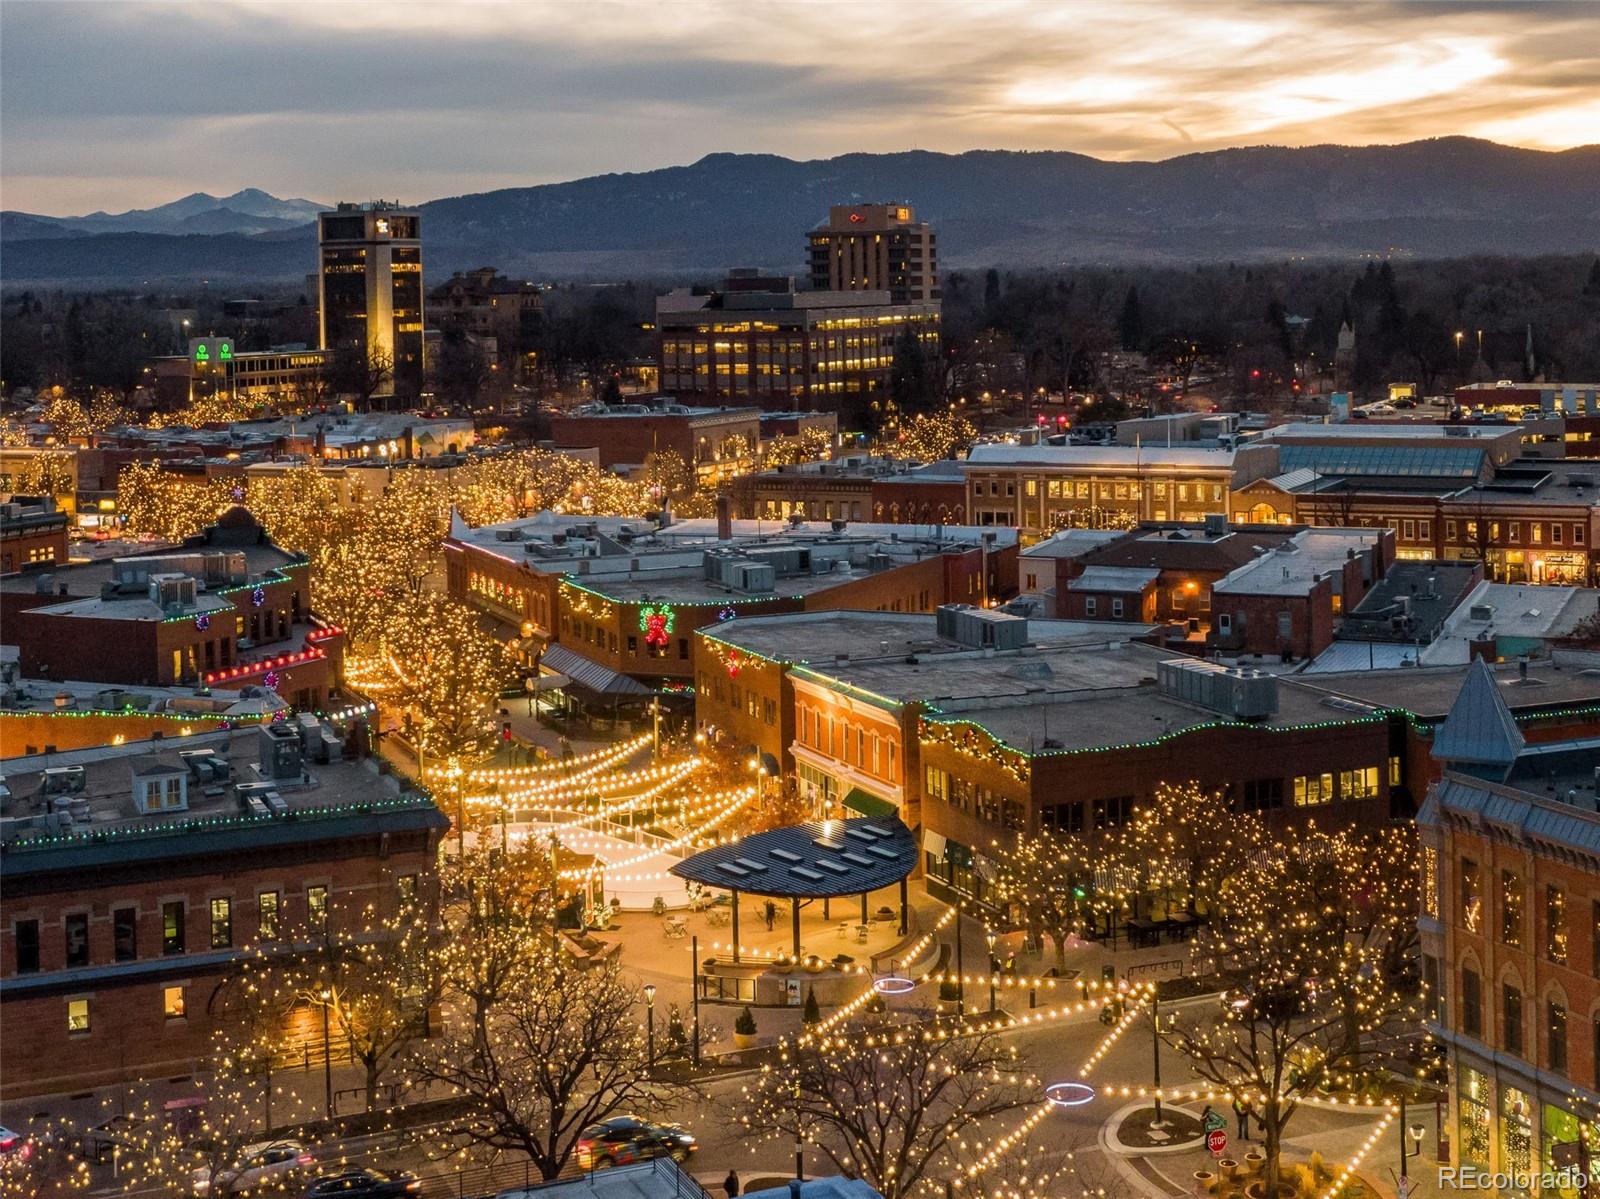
823	859
591	676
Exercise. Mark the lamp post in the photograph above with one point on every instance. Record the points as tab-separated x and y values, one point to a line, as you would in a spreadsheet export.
990	938
961	970
694	992
1414	1132
326	998
650	1024
1155	1050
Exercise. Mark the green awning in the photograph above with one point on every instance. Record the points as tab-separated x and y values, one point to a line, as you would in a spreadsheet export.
869	805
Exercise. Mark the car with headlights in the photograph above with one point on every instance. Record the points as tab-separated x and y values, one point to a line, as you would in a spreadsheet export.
624	1139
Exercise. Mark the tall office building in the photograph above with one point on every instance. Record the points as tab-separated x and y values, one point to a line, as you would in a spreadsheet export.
875	247
370	288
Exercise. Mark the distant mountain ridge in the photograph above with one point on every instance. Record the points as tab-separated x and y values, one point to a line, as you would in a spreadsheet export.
1437	198
249	210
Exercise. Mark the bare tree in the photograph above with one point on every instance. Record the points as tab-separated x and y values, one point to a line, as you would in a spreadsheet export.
890	1105
544	1048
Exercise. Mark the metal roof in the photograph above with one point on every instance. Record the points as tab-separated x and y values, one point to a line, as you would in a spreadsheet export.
1480	728
822	859
1114	578
591	676
1428	462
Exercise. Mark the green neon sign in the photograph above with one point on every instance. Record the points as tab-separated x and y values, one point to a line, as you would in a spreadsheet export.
201	353
225	353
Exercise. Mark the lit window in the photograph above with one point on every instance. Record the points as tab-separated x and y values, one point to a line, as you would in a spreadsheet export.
221	923
1510	908
1430	881
1311	789
317	907
1359	784
172	1003
77	1015
267	915
1555	924
1471	896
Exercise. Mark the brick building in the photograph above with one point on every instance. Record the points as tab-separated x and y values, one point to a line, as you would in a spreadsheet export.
112	949
627	595
1510	928
716	443
875	247
978	726
33	534
226	608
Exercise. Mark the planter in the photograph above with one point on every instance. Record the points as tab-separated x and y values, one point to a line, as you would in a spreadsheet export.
744	1040
1254	1162
1204	1180
783	962
814	965
1229	1169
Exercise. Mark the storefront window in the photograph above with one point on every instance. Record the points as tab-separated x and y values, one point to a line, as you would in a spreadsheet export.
1473	1099
1516	1131
1559	1145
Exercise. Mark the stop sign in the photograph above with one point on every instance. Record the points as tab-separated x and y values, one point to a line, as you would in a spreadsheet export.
1216	1142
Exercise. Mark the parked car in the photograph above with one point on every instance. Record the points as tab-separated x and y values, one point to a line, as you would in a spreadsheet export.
624	1139
99	1141
14	1147
366	1183
264	1166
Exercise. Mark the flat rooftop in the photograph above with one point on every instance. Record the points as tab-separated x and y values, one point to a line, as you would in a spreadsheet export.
1094	457
1085	685
335	790
1375	431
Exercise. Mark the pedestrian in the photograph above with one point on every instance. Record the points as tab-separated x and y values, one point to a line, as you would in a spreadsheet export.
731	1184
1243	1113
771	914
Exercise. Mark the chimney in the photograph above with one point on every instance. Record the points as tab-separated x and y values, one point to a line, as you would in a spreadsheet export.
724	519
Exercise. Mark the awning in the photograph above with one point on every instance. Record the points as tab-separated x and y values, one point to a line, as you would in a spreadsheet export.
549	682
868	805
933	842
590	676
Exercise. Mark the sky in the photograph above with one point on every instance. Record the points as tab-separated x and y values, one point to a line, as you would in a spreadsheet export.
128	103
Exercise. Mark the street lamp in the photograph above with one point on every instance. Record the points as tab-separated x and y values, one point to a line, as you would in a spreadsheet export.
990	938
1414	1132
326	998
1155	1051
650	1024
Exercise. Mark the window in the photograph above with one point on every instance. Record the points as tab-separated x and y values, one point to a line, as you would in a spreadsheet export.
1408	530
1449	530
1064	818
1577	534
406	888
1538	532
1396	771
1312	789
1471	896
1091	606
1430	881
1510	908
77	1015
1556	1036
125	934
1515	533
1555	925
1114	812
1425	530
1361	783
1285	626
1471	1003
172	927
1116	609
172	1003
76	930
1261	795
221	923
1511	1010
1224	624
317	908
1555	534
26	934
267	915
1430	983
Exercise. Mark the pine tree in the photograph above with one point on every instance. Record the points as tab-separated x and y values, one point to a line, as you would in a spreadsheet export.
811	1014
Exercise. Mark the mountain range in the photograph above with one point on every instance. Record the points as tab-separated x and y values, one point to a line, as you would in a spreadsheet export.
248	211
1437	198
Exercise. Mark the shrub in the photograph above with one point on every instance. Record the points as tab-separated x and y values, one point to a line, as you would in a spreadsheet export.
812	1013
745	1024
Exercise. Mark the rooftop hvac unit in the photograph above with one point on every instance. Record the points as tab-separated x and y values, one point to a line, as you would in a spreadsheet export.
1481	612
754	577
173	590
508	534
1237	692
201	763
281	756
63	780
876	562
980	628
